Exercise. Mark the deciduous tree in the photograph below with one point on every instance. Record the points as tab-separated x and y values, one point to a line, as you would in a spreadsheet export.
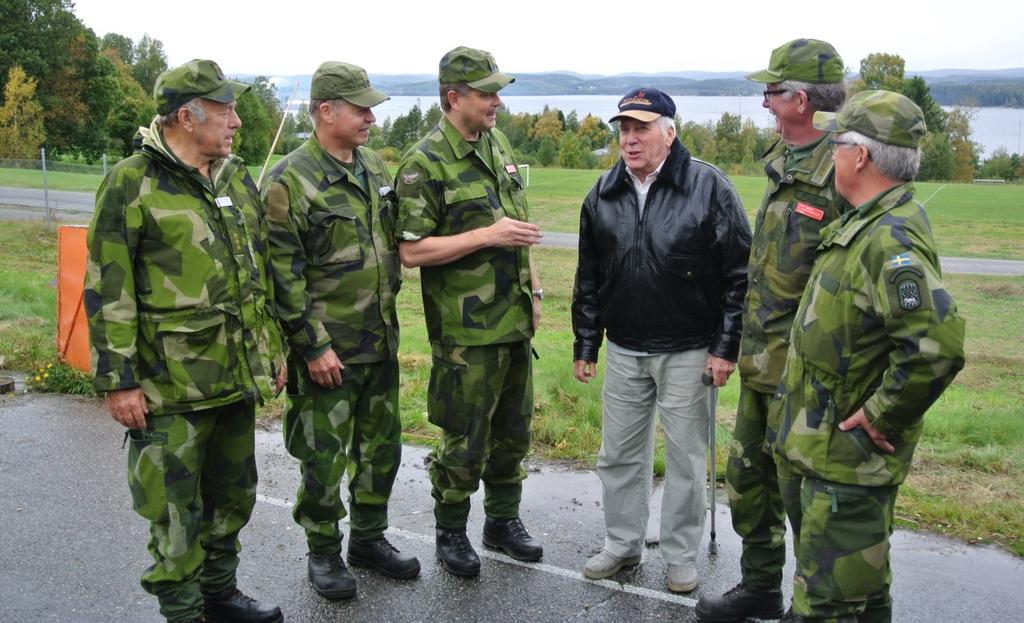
21	117
122	45
150	62
880	70
965	151
548	126
594	131
252	141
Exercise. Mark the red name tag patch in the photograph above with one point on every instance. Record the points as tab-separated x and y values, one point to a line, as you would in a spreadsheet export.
810	211
511	168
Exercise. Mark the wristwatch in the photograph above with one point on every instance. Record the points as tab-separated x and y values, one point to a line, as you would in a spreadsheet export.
539	294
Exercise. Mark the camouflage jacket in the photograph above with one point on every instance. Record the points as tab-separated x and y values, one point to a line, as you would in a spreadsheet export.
334	255
177	291
875	329
799	201
445	188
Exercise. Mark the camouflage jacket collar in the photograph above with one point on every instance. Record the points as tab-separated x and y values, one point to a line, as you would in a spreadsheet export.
673	171
222	170
843	230
332	169
460	146
816	169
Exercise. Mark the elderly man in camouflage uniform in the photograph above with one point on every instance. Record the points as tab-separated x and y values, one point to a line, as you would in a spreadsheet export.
876	340
804	76
331	213
463	219
184	338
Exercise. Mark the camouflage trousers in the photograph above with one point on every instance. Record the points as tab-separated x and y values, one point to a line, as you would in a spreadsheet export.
841	537
754	499
482	398
353	429
193	476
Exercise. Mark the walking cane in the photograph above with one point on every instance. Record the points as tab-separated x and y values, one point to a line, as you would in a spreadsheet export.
709	381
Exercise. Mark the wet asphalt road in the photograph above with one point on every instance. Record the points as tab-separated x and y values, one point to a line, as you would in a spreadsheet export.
71	548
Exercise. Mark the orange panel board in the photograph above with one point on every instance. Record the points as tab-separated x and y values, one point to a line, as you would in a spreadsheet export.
72	330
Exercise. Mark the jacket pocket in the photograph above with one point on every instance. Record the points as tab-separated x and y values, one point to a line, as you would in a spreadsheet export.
809	417
335	238
198	355
800	237
696	274
469	207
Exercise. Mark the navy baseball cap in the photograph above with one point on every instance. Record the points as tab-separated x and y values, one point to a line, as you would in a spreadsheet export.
645	105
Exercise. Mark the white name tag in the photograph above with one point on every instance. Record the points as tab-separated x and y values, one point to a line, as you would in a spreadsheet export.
384	190
224	202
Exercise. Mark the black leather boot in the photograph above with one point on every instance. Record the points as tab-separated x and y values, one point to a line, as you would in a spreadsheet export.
233	606
511	537
456	552
381	556
330	578
739	603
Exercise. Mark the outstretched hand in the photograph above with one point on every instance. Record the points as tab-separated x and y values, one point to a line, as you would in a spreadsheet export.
508	232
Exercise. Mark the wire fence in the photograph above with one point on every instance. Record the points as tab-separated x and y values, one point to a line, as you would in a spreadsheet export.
57	166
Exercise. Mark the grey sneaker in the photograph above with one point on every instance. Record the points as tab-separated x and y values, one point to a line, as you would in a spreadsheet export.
682	578
605	565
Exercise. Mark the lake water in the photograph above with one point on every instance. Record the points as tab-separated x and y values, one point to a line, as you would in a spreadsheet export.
992	127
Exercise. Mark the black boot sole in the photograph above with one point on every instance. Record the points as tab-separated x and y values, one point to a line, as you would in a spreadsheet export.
214	619
462	573
497	546
334	595
765	616
356	561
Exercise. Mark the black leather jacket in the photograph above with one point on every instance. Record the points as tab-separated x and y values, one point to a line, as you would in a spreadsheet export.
672	279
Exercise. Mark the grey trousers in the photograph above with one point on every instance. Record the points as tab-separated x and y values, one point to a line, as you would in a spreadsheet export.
634	388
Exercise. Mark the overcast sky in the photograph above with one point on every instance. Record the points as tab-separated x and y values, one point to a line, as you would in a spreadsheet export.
596	36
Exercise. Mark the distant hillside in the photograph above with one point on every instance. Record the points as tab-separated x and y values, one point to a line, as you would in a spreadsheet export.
1000	87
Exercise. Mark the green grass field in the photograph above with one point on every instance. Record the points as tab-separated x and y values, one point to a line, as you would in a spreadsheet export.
968	220
968	477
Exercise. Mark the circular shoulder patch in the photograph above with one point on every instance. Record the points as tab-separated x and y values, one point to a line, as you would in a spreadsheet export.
909	294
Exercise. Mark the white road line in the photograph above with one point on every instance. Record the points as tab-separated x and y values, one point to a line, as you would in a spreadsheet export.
925	202
537	566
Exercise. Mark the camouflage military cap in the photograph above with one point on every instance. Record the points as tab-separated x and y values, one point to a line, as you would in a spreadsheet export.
475	68
885	116
804	60
196	78
337	80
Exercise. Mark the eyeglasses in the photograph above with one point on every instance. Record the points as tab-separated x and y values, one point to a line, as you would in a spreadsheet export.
770	92
833	144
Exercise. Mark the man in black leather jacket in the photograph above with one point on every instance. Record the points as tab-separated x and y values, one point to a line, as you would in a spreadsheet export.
662	271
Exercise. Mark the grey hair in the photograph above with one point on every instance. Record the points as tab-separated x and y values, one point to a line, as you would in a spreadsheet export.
461	88
828	97
194	107
314	107
892	161
667	123
664	122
